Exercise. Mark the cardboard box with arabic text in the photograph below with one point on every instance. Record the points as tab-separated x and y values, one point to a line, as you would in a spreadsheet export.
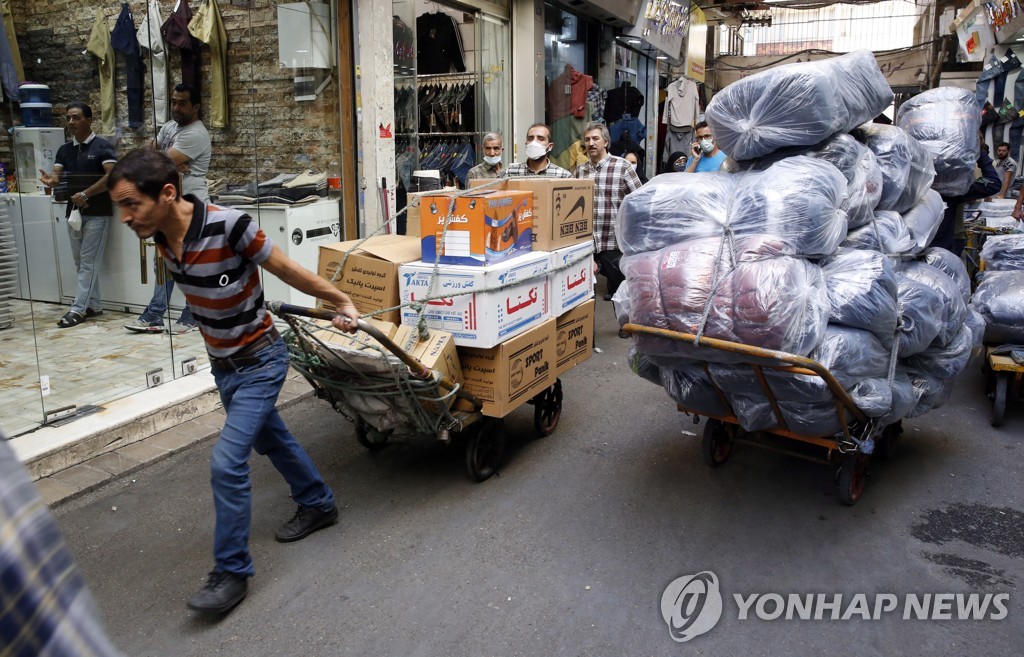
484	228
412	208
574	337
508	375
480	306
571	277
370	276
563	209
436	352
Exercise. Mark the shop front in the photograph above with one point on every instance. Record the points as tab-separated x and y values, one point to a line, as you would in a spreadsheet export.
267	82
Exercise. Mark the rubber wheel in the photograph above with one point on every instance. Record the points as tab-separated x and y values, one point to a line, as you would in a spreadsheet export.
853	472
547	409
485	444
371	438
999	401
716	446
885	446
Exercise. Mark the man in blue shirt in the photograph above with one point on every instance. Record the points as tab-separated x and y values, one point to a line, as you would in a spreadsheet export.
705	154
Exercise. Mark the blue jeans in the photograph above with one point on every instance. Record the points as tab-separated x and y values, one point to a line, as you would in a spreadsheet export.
87	246
157	308
249	395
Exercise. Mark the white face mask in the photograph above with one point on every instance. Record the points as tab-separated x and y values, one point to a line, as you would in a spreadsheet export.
492	159
707	146
536	150
632	165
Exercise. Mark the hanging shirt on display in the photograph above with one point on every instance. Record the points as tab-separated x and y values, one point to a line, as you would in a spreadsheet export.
438	44
99	47
567	94
208	27
175	32
8	70
628	127
626	99
402	36
150	38
124	41
681	104
12	42
596	98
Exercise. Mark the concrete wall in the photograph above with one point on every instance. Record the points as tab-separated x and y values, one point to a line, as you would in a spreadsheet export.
268	130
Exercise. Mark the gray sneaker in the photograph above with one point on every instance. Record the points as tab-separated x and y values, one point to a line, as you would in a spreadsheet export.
139	326
179	329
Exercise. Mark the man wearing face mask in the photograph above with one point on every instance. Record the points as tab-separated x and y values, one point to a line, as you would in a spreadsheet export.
538	145
491	167
704	154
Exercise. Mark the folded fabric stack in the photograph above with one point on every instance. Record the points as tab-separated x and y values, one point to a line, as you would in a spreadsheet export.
283	190
947	122
818	246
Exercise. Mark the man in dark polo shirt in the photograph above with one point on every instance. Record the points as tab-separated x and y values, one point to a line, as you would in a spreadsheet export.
214	255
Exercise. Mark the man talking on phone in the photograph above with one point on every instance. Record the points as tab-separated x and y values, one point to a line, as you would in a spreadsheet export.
704	153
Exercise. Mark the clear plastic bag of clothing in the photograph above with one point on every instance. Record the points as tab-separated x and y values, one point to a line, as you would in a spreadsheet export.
947	122
862	292
954	267
999	298
797	104
923	220
920	308
887	233
863	175
907	169
952	311
1003	253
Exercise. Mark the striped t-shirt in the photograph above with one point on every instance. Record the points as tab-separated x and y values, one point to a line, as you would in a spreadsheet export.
219	275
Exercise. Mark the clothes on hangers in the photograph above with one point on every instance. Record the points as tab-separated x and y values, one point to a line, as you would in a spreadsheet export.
596	98
12	43
438	44
124	41
567	94
447	107
625	99
8	70
402	37
208	26
100	48
175	32
681	104
453	157
149	37
628	127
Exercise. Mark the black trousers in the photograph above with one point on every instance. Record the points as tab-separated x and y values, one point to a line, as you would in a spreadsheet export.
608	266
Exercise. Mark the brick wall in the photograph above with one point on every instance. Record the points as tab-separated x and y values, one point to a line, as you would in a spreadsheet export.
268	130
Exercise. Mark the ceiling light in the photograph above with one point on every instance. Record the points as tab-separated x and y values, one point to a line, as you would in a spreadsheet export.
633	41
662	57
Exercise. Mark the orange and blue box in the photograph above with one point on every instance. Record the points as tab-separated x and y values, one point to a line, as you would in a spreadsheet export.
483	227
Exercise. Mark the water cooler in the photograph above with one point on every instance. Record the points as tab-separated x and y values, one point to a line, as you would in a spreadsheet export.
35	149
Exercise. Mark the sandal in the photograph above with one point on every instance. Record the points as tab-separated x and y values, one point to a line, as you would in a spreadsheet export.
71	318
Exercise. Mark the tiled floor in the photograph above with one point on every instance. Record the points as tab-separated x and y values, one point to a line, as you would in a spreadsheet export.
89	364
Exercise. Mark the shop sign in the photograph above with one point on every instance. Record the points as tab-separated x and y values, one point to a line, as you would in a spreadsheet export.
696	44
974	35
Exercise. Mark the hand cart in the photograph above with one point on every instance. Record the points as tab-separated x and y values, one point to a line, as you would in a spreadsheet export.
387	391
849	450
1003	379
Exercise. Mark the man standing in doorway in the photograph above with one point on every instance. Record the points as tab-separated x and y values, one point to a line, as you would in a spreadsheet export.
85	161
214	253
538	146
491	166
704	153
186	141
1006	166
613	178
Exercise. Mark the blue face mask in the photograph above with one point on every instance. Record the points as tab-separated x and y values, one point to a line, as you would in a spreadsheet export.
679	164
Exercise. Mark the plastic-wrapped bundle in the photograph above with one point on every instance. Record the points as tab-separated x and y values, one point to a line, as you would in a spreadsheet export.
797	104
622	303
691	386
815	418
673	208
887	233
643	367
904	398
1000	300
1003	253
907	169
762	297
946	120
930	391
923	220
862	292
953	266
796	199
863	175
953	310
920	309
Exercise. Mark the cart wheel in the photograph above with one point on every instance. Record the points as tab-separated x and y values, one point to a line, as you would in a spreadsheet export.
853	472
547	409
989	376
484	446
885	446
371	438
999	402
716	446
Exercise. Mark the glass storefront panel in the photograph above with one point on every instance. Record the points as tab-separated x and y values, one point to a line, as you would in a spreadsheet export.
271	109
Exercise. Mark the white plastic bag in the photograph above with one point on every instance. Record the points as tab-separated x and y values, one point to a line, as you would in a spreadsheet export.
75	220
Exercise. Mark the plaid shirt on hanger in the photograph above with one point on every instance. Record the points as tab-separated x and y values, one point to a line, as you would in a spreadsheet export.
613	178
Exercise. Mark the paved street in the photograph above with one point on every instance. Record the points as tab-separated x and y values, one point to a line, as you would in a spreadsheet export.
568	551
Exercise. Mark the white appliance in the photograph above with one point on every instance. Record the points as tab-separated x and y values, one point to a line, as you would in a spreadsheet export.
299	231
35	149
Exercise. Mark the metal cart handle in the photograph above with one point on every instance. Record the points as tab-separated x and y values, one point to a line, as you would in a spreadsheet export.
418	369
